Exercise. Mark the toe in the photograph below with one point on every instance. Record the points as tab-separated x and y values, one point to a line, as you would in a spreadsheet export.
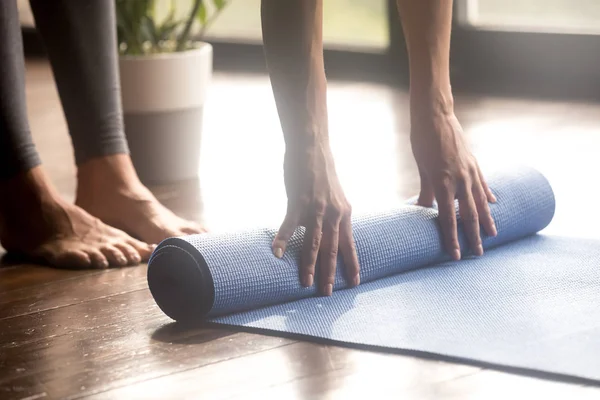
172	232
114	256
68	259
192	229
132	255
98	259
144	250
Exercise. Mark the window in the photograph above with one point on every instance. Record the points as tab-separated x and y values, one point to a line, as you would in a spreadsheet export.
574	16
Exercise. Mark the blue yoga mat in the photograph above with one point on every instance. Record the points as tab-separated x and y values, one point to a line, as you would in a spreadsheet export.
531	302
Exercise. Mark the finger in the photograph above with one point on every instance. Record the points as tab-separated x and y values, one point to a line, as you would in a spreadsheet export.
488	192
426	195
470	220
310	250
348	249
114	256
132	255
286	230
328	252
447	218
483	209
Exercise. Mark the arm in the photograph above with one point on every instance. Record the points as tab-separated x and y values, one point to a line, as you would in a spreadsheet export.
447	168
292	34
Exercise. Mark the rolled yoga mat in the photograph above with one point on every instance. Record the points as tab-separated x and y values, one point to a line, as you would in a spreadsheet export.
531	302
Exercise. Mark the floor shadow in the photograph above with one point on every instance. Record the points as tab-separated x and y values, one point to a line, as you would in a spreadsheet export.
190	333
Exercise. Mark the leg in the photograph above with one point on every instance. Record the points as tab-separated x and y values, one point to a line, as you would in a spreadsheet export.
80	37
34	220
17	151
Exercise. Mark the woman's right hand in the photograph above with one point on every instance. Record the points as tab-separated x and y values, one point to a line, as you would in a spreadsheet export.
449	171
317	202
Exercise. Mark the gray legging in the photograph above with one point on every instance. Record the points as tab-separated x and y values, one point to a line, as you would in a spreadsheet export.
80	39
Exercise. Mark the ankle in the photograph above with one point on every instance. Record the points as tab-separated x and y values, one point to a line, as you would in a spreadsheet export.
114	171
32	210
32	186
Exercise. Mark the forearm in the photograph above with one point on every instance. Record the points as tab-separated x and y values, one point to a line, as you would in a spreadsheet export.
292	35
427	25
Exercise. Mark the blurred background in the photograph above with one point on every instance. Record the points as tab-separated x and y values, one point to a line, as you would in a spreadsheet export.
533	47
525	77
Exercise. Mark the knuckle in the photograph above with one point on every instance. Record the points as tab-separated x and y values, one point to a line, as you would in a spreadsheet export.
336	212
348	210
332	253
320	206
472	169
446	181
481	197
302	202
471	217
334	228
316	243
464	176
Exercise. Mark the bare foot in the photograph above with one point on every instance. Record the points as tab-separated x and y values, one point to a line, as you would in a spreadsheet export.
37	223
109	188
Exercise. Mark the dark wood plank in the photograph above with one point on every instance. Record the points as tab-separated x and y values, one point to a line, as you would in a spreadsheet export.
105	343
301	370
25	276
72	289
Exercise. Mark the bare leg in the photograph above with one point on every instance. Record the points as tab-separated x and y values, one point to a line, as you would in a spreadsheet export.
34	220
80	37
128	204
37	223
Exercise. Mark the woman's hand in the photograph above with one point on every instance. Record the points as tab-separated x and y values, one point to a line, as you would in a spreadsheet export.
448	170
317	202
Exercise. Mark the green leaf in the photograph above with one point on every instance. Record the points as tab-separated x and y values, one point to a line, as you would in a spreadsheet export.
220	4
148	31
201	14
169	25
166	31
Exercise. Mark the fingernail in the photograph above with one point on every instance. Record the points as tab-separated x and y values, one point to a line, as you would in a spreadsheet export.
308	280
122	260
104	264
493	198
456	254
278	251
479	250
328	289
356	280
137	258
494	230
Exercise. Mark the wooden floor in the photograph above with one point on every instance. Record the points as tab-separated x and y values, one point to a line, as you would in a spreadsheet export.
99	334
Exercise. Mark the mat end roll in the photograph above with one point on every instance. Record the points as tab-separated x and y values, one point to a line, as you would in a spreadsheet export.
179	280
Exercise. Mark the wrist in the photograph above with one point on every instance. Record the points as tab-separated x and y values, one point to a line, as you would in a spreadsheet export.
313	155
305	136
428	101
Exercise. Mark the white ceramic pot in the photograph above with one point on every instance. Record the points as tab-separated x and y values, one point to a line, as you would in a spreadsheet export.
163	101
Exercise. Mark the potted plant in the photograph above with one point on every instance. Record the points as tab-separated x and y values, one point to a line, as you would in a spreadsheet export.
165	69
